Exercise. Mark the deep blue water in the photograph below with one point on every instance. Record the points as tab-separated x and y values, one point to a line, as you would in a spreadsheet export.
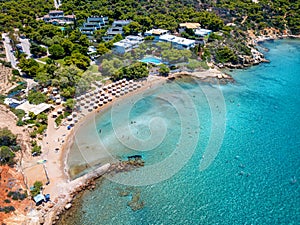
255	177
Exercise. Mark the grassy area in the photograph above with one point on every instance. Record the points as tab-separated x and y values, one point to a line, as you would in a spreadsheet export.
60	61
43	59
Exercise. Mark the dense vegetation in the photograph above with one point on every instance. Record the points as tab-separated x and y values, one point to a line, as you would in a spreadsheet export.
8	146
68	47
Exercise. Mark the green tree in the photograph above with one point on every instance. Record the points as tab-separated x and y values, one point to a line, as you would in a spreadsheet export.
29	66
56	51
102	49
6	156
37	50
164	70
78	59
69	104
35	97
7	138
37	186
132	28
133	71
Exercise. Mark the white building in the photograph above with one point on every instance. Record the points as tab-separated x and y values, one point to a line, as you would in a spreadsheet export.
156	33
116	28
178	42
92	24
192	26
57	17
127	44
202	32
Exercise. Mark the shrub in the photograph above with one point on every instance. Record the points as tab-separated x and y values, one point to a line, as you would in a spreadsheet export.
36	188
36	150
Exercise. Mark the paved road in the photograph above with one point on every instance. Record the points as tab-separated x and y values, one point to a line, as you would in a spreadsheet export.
57	3
8	49
26	46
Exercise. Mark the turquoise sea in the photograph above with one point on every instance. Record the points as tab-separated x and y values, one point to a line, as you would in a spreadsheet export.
253	178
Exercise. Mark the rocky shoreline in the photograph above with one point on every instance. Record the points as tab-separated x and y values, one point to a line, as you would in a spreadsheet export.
256	56
50	213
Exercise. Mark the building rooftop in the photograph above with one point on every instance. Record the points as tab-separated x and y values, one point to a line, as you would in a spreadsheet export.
156	31
202	32
190	25
177	40
36	109
39	198
56	11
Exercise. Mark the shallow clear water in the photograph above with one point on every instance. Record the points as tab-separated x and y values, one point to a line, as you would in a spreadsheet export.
254	178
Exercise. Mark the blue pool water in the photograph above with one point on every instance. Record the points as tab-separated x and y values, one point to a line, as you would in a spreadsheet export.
152	60
254	178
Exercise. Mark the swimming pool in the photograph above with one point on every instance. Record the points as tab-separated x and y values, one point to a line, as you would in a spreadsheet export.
152	60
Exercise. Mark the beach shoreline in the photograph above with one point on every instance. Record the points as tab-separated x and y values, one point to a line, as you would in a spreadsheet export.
65	189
